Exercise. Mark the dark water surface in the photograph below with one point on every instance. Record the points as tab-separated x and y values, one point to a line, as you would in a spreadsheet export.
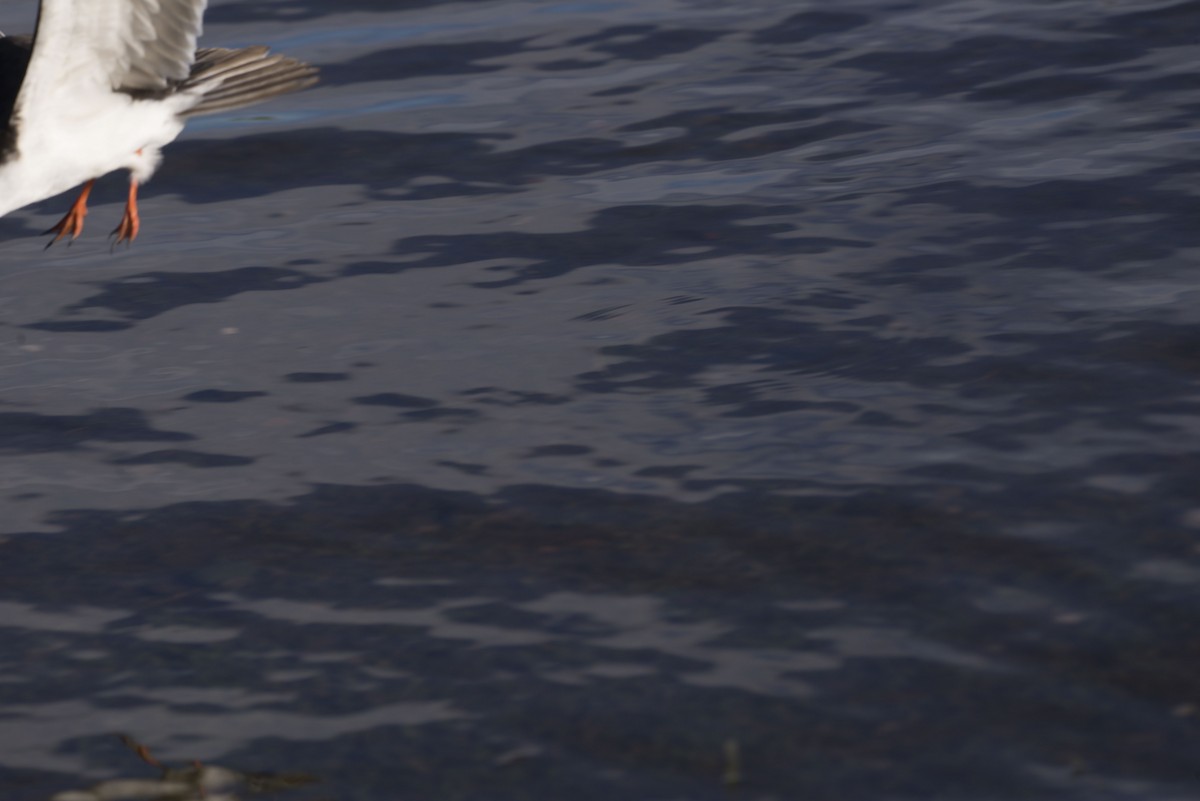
596	400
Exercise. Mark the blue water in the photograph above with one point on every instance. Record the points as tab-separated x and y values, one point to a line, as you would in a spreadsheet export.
646	400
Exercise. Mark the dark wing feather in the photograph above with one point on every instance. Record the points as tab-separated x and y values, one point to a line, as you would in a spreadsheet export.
14	60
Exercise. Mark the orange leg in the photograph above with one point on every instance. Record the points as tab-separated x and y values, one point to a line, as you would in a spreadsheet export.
127	231
141	750
72	223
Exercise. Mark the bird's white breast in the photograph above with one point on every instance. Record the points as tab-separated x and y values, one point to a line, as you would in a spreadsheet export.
84	136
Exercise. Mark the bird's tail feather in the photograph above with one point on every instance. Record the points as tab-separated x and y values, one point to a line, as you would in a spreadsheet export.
225	79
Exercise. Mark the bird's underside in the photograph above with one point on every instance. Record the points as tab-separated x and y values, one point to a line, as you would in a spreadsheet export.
103	85
224	80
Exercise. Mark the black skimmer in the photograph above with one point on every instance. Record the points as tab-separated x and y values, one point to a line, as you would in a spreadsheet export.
103	85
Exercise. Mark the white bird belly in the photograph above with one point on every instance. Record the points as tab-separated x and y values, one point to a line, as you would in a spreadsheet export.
93	139
86	139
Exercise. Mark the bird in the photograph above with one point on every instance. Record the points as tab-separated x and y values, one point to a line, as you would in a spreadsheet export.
195	782
104	85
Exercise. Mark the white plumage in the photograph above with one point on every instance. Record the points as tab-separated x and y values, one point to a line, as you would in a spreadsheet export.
108	84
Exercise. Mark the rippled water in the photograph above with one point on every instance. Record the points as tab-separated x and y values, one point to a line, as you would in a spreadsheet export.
643	400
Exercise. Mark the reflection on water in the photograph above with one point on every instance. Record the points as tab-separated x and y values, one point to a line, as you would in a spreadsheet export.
626	400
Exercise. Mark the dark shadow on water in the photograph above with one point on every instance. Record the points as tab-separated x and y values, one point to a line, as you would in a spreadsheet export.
329	428
417	61
1087	225
12	229
29	432
386	163
631	234
185	457
647	42
141	296
995	67
395	400
1170	25
295	10
969	64
221	396
495	396
1130	376
79	326
908	564
315	378
775	343
381	161
706	134
807	24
